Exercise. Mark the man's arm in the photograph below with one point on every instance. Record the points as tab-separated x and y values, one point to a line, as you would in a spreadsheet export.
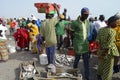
56	7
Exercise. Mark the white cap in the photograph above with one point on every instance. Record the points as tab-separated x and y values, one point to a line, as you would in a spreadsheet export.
34	18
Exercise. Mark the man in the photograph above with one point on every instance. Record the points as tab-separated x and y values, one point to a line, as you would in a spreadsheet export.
92	32
64	13
38	23
47	30
79	28
12	26
60	30
100	23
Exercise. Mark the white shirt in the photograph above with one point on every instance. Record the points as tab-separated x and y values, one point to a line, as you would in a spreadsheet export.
3	28
100	24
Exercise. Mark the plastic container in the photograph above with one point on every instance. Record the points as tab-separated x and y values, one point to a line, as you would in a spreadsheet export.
46	8
11	49
43	59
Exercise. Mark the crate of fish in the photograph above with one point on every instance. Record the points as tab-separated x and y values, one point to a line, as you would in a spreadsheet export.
28	70
69	74
46	7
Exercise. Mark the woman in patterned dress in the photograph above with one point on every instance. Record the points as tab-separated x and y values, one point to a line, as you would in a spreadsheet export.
116	62
107	49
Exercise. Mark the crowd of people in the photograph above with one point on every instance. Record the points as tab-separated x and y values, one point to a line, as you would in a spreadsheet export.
32	33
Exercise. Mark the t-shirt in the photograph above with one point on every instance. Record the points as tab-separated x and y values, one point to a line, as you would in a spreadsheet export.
100	24
60	27
47	30
12	24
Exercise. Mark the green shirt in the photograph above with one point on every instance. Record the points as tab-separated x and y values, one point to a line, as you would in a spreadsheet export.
47	30
80	42
106	39
60	27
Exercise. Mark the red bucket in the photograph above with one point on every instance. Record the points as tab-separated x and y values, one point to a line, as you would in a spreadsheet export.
71	52
93	47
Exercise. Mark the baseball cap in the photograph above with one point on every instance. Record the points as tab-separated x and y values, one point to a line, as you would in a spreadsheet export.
85	10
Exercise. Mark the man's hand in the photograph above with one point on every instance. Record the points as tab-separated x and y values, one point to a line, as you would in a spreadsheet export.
56	7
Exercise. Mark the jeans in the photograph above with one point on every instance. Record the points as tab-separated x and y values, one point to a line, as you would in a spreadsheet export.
50	51
85	58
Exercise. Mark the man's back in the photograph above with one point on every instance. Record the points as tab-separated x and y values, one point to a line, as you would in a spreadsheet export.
47	30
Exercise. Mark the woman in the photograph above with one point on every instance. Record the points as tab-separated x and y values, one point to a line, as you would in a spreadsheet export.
107	49
116	62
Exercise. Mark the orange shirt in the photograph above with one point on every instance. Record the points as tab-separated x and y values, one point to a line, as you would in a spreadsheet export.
12	24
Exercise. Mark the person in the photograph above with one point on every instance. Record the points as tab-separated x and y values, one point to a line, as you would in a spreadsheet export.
116	67
38	23
60	30
21	37
107	50
12	26
92	32
39	43
24	23
79	29
3	40
33	32
47	31
65	13
100	23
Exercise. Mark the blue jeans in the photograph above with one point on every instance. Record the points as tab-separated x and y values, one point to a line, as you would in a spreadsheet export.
85	58
50	51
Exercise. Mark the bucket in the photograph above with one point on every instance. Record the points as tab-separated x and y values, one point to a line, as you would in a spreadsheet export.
71	52
94	47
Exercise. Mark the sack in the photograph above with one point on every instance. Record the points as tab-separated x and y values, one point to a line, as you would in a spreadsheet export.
93	47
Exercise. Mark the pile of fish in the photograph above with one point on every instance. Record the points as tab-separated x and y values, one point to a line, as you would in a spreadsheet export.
28	71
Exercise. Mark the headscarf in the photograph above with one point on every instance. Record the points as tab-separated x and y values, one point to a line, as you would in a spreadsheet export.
112	19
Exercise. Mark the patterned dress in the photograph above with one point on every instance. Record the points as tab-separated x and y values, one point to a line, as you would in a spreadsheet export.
106	40
117	29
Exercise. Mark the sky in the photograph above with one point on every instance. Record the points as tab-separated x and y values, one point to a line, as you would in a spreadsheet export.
24	8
